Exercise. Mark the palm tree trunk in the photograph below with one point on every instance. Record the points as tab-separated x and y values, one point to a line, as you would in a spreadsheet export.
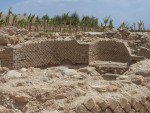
143	27
76	29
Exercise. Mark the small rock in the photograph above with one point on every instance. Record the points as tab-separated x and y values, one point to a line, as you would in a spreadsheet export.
136	104
112	103
60	96
96	109
105	88
53	75
123	77
23	69
128	108
22	98
118	109
148	86
4	110
8	44
1	70
87	70
81	109
123	102
137	79
78	76
17	111
49	111
5	69
108	111
69	72
13	74
89	103
102	104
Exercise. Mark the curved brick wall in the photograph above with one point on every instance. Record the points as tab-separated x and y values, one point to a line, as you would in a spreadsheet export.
112	105
109	50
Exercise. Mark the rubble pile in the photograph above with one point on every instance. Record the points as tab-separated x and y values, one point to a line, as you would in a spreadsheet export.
69	89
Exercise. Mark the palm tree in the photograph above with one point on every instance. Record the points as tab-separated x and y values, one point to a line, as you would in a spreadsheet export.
74	20
8	16
57	21
2	22
30	21
14	20
65	18
93	23
102	27
111	24
124	25
37	23
45	19
134	26
106	20
140	23
50	24
25	14
143	27
22	23
1	14
85	22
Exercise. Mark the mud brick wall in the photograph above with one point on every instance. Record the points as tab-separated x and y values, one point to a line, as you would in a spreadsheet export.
55	52
109	50
52	52
6	57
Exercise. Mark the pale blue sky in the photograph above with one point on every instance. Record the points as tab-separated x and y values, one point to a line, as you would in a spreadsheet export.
119	10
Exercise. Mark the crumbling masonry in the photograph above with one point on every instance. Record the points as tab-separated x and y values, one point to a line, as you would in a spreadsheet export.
56	52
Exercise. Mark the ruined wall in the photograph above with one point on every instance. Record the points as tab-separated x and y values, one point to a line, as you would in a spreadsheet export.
55	52
140	104
50	52
6	57
109	50
145	52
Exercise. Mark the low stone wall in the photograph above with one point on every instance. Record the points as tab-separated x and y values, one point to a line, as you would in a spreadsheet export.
56	52
109	50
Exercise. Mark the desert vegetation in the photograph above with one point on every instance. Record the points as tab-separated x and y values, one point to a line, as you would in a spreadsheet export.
67	22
